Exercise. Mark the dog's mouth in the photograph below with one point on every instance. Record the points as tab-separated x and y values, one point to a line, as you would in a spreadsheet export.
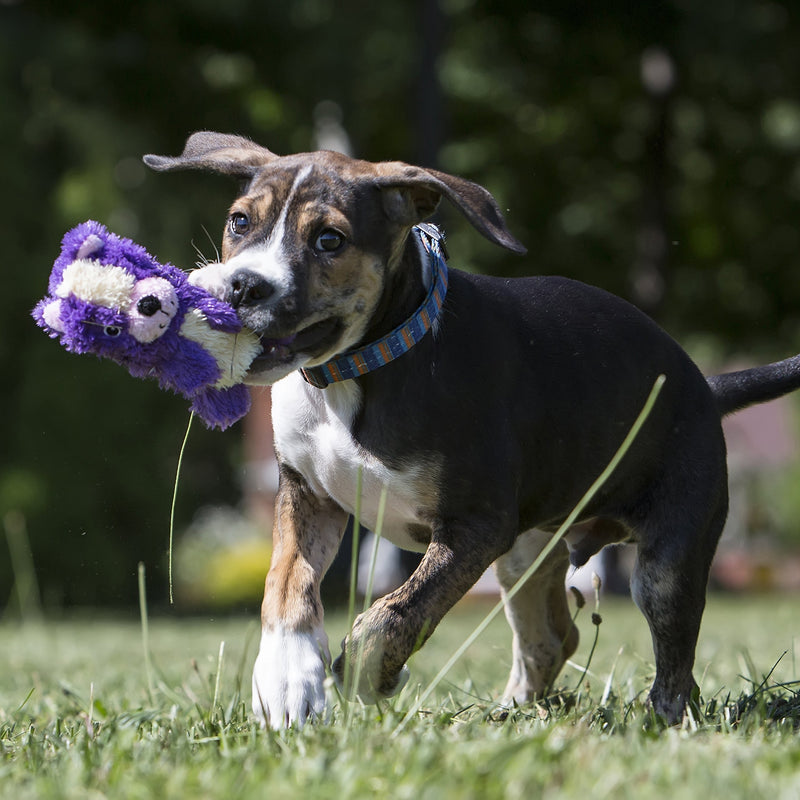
310	342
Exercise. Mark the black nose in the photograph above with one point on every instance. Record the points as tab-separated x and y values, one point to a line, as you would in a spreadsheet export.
149	305
249	288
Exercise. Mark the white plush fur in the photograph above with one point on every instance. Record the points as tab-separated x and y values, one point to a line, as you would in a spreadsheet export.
97	283
234	352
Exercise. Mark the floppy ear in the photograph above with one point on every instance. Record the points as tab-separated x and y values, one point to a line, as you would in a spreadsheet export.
216	152
411	194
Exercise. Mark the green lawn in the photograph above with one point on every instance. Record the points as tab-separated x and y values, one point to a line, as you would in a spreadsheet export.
79	719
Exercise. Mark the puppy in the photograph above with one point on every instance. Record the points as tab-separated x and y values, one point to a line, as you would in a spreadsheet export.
484	407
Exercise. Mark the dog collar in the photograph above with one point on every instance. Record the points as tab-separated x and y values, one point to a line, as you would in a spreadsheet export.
404	336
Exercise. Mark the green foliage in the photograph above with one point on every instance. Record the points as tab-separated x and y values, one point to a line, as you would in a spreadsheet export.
544	105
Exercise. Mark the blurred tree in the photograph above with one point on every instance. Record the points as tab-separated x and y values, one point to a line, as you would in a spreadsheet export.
548	106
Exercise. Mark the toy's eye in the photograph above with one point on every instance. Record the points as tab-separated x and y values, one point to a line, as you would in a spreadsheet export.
329	241
238	224
112	331
149	305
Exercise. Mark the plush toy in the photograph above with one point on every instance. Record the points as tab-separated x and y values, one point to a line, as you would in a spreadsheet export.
110	297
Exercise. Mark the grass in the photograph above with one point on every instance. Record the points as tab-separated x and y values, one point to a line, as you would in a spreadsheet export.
112	708
82	715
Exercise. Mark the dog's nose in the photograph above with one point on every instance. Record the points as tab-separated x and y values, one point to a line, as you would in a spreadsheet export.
249	288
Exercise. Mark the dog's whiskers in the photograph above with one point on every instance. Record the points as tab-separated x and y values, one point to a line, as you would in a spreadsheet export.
204	260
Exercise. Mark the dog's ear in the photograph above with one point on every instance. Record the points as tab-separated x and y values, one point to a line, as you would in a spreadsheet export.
216	152
411	194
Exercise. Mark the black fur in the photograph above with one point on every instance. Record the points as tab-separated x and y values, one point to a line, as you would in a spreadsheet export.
518	398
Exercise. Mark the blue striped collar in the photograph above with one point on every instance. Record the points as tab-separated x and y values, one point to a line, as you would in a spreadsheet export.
403	337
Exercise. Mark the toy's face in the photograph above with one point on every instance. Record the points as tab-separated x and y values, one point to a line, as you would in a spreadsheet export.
106	310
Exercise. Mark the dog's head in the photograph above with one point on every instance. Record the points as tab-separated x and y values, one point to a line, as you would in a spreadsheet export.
312	239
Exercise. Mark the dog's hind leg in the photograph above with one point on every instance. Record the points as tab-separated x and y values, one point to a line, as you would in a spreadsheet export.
669	587
544	636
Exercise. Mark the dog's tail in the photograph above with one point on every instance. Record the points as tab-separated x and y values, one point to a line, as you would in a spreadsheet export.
736	390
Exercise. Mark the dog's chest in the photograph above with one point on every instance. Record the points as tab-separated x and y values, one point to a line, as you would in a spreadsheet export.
313	436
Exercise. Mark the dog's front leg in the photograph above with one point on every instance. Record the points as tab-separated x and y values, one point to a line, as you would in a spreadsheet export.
289	672
385	636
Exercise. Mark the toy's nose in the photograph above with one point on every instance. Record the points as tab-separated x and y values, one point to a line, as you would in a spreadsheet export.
249	288
149	305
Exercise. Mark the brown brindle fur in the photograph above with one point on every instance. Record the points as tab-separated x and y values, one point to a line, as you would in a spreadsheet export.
305	538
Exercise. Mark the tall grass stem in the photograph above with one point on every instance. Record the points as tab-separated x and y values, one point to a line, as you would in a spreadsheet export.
370	584
218	678
377	533
174	502
351	604
22	566
145	631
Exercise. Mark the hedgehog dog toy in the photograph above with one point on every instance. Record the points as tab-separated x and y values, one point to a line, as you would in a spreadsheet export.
110	297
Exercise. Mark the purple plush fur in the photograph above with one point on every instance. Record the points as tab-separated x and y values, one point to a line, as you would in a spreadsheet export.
156	348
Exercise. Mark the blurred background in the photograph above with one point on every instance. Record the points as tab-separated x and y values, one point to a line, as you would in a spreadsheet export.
652	149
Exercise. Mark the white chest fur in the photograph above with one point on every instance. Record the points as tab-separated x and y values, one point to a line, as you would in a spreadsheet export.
313	435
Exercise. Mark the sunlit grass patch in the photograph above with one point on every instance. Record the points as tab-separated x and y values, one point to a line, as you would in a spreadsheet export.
77	718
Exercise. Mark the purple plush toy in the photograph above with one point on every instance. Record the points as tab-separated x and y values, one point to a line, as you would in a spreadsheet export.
110	297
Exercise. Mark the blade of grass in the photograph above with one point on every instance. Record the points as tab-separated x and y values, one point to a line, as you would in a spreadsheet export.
596	621
24	571
174	502
378	532
219	676
145	632
24	702
582	503
610	679
370	583
351	607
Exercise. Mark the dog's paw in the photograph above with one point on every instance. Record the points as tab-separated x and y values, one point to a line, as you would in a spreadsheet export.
289	676
365	684
401	679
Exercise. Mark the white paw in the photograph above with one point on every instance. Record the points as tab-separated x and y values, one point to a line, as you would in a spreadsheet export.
289	676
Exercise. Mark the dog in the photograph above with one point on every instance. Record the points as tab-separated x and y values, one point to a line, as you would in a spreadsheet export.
484	407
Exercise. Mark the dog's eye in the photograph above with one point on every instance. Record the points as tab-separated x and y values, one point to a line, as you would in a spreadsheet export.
238	224
112	331
329	241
